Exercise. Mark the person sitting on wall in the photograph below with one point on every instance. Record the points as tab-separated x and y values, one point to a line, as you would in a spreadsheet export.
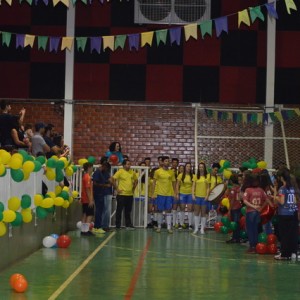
38	142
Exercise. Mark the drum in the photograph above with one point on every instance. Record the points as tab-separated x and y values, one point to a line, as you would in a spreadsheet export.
216	194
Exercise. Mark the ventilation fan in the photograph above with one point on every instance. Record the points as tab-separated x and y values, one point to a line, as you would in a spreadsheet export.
171	11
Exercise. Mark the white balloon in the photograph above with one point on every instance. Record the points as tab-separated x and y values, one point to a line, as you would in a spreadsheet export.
79	224
49	241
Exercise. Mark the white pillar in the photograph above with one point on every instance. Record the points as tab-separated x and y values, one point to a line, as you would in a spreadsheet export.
270	86
69	81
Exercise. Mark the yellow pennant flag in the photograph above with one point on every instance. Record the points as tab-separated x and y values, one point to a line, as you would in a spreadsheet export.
278	116
9	2
243	16
147	38
297	111
29	40
108	42
190	31
215	115
67	43
259	118
244	118
230	116
290	4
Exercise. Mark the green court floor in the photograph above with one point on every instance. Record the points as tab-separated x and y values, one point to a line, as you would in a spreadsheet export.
143	264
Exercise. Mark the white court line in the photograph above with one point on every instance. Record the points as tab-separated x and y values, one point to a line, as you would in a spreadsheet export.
80	268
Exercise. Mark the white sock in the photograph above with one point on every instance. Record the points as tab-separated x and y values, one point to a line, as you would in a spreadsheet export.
190	218
181	217
203	223
155	217
169	220
159	217
197	220
148	218
85	227
174	214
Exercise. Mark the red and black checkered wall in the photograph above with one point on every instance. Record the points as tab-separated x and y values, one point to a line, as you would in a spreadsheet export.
228	69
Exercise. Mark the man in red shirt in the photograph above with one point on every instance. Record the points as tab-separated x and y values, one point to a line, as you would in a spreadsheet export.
87	199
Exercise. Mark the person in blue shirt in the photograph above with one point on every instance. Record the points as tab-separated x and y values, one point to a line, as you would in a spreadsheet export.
115	149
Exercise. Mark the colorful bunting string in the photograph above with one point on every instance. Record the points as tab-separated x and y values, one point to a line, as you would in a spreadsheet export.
136	40
257	118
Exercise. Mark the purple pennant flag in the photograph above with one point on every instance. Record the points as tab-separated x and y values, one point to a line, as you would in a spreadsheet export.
234	117
45	1
249	117
96	44
134	41
175	35
219	115
265	118
101	1
20	40
271	10
53	45
221	25
285	115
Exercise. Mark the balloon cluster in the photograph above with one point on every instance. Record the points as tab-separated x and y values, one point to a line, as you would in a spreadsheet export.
266	243
18	282
253	164
225	165
17	212
90	159
47	204
56	241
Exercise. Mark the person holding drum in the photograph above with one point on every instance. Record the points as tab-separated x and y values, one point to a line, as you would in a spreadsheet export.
200	192
184	186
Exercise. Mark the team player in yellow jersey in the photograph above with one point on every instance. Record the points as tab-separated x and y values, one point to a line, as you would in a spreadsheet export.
164	185
200	193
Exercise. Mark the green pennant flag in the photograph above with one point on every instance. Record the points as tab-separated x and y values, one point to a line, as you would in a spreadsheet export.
74	2
254	118
84	1
255	12
239	117
206	28
224	116
81	43
6	38
290	114
161	36
272	116
120	41
28	1
42	42
209	113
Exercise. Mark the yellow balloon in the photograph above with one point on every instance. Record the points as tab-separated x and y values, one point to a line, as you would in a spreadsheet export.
18	155
47	203
15	163
75	194
50	174
59	201
51	194
2	229
65	161
14	203
262	164
82	161
2	169
28	166
71	199
58	190
69	171
54	157
227	173
26	175
225	202
221	162
66	204
37	199
66	189
9	216
27	217
26	210
5	156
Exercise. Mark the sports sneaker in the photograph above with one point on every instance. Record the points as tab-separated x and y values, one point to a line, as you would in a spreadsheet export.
279	257
202	231
170	231
130	228
195	231
158	230
190	227
150	225
179	227
294	256
98	230
176	226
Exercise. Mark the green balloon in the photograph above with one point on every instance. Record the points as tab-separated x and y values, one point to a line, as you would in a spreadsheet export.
41	159
233	226
74	168
25	201
60	164
226	164
1	206
41	212
30	158
24	154
64	195
18	220
224	229
1	216
243	210
243	234
262	237
91	159
51	163
17	175
59	175
37	166
50	209
225	220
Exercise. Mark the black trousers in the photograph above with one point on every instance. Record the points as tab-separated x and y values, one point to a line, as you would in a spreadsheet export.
124	202
288	231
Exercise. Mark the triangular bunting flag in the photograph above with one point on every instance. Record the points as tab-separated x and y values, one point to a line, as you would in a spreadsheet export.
147	38
29	40
67	43
6	38
120	41
20	40
278	116
221	25
297	111
272	116
206	28
161	36
190	31
42	42
84	1
108	42
271	10
81	43
134	41
175	35
244	118
243	16
9	2
53	44
255	13
230	116
96	44
290	4
259	118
